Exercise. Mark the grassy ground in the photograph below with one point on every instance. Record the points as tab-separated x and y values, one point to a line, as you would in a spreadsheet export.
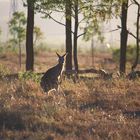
45	60
86	110
89	109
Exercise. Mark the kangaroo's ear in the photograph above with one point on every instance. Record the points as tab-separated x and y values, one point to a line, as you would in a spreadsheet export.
65	54
58	55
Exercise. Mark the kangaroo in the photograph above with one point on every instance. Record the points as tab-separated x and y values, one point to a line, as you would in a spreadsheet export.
50	80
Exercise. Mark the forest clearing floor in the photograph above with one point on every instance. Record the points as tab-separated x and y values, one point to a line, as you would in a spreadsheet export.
87	109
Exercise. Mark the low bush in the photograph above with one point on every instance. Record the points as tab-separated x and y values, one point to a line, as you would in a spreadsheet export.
29	75
130	55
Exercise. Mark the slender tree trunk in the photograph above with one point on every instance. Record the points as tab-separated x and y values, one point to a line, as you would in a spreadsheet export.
68	36
124	36
92	52
19	45
75	36
137	40
29	36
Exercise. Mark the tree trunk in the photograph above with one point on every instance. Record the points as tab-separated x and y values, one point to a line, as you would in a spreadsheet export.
137	40
124	36
68	36
75	36
92	52
19	45
29	36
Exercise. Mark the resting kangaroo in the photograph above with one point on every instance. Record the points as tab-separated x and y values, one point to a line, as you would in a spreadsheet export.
50	79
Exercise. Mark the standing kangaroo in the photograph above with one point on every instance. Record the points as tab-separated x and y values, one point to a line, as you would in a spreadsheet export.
50	79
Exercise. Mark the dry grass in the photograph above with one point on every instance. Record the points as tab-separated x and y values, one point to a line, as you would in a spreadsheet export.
89	109
45	60
86	110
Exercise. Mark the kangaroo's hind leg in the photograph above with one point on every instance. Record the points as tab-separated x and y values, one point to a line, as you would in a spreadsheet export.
44	86
56	86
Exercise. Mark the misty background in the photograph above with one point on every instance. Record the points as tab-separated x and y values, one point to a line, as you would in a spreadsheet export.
54	34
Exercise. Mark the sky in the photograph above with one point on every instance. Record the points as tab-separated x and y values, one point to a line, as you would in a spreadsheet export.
55	34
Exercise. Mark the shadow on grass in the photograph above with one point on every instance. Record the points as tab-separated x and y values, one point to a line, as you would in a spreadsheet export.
103	104
11	120
132	114
89	105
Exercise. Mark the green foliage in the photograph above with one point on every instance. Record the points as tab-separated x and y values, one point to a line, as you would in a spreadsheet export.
38	34
93	13
29	75
49	5
17	28
96	13
130	54
93	29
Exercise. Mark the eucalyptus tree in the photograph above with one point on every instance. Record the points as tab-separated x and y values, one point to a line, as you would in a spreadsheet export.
93	13
89	16
122	7
83	16
124	36
125	4
75	36
66	7
106	10
29	36
68	30
137	33
17	30
47	8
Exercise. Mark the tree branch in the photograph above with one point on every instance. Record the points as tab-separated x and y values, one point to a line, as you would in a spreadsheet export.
81	20
136	2
81	34
130	33
43	12
114	30
49	15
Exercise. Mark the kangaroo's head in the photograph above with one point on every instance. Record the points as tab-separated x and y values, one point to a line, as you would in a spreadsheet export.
61	59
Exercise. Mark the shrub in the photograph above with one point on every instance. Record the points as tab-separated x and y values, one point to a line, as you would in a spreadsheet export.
130	54
29	75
